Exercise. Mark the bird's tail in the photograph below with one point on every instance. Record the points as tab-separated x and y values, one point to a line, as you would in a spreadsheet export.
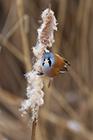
66	66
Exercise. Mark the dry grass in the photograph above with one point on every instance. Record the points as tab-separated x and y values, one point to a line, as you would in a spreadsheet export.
70	98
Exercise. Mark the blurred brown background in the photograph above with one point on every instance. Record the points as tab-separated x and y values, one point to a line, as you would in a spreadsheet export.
68	110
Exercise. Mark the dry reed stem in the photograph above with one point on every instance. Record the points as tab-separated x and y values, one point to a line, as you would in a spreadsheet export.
61	22
5	43
84	88
63	123
33	133
25	44
84	131
15	27
64	104
10	101
79	82
39	135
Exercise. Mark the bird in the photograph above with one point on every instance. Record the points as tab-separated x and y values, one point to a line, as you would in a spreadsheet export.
53	64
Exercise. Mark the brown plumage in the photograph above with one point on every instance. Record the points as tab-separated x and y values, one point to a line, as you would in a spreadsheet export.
60	66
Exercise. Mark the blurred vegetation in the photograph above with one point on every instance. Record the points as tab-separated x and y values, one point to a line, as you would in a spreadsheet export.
68	110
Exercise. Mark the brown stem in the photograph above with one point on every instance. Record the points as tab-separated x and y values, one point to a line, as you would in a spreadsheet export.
34	124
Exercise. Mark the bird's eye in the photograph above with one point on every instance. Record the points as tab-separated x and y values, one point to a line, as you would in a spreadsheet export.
49	62
43	62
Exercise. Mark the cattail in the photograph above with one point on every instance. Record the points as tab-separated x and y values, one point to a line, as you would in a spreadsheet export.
35	82
45	33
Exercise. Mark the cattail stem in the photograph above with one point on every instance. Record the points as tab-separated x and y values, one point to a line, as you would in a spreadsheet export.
35	82
34	124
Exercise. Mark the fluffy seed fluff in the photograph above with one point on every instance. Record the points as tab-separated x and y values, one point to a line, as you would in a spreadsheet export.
35	83
45	33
